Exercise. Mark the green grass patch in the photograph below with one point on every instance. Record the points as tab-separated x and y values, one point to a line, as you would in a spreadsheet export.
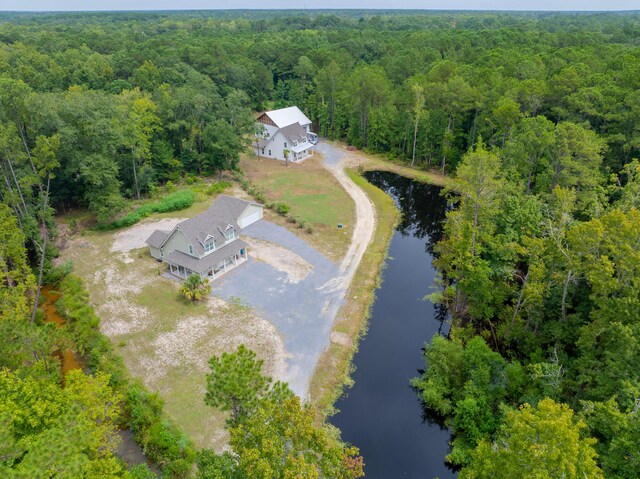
170	305
316	201
311	197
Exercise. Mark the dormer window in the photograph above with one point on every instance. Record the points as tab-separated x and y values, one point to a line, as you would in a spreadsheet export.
191	250
209	246
230	234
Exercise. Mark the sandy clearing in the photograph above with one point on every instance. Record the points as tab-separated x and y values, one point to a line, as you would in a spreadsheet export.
135	237
280	258
194	339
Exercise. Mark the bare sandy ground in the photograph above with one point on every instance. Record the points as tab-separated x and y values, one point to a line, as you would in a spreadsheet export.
280	258
135	236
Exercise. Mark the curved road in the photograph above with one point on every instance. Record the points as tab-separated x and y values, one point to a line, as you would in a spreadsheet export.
303	312
365	221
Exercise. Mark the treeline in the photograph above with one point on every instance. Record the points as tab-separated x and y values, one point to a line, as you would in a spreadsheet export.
55	425
540	266
137	99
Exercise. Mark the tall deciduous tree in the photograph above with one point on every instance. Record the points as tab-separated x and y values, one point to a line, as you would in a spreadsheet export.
418	113
280	440
478	183
544	441
140	125
55	432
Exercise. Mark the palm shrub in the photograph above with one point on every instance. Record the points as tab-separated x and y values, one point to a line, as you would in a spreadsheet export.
195	288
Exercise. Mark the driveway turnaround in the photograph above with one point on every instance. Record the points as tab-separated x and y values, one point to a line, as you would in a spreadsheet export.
303	311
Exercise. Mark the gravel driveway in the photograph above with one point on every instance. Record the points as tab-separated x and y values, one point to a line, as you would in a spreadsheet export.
303	312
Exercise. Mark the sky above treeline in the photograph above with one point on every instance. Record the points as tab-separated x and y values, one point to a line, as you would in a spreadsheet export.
102	5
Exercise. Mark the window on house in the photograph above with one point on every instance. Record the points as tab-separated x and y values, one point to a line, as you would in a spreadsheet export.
269	152
191	250
263	151
295	143
285	144
230	234
209	246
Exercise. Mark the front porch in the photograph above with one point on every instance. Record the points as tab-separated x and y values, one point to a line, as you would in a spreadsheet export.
214	272
301	154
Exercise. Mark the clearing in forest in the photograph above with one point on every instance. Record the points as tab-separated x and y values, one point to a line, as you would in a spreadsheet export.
164	340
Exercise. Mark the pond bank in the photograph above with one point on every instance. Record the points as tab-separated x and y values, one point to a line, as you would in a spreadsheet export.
333	371
381	414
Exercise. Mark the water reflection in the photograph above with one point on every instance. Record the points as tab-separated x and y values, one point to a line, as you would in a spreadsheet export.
382	414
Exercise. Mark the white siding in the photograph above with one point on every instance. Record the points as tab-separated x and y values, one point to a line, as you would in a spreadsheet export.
274	147
252	214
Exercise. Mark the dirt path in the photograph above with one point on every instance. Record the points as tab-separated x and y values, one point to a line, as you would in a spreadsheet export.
335	162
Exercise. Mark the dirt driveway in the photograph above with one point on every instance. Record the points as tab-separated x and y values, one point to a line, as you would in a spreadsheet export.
335	162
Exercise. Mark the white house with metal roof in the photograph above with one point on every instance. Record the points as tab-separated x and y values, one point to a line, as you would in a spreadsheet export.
208	244
285	129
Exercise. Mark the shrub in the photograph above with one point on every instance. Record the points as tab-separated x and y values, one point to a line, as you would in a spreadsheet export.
176	201
195	288
161	440
260	197
55	274
218	187
309	229
282	208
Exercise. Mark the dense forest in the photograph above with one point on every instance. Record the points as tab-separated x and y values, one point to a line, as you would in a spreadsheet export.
536	116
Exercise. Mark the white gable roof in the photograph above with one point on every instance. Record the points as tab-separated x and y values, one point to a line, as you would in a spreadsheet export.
288	116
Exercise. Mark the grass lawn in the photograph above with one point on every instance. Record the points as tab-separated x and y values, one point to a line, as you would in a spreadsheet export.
313	194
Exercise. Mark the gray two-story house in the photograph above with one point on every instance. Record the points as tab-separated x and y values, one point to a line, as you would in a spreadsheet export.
208	244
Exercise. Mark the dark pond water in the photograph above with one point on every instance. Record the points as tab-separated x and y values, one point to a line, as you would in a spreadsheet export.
382	414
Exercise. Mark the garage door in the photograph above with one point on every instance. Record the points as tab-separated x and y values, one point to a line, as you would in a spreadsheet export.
252	218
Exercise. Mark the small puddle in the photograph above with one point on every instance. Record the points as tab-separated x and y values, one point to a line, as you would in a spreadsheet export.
68	359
